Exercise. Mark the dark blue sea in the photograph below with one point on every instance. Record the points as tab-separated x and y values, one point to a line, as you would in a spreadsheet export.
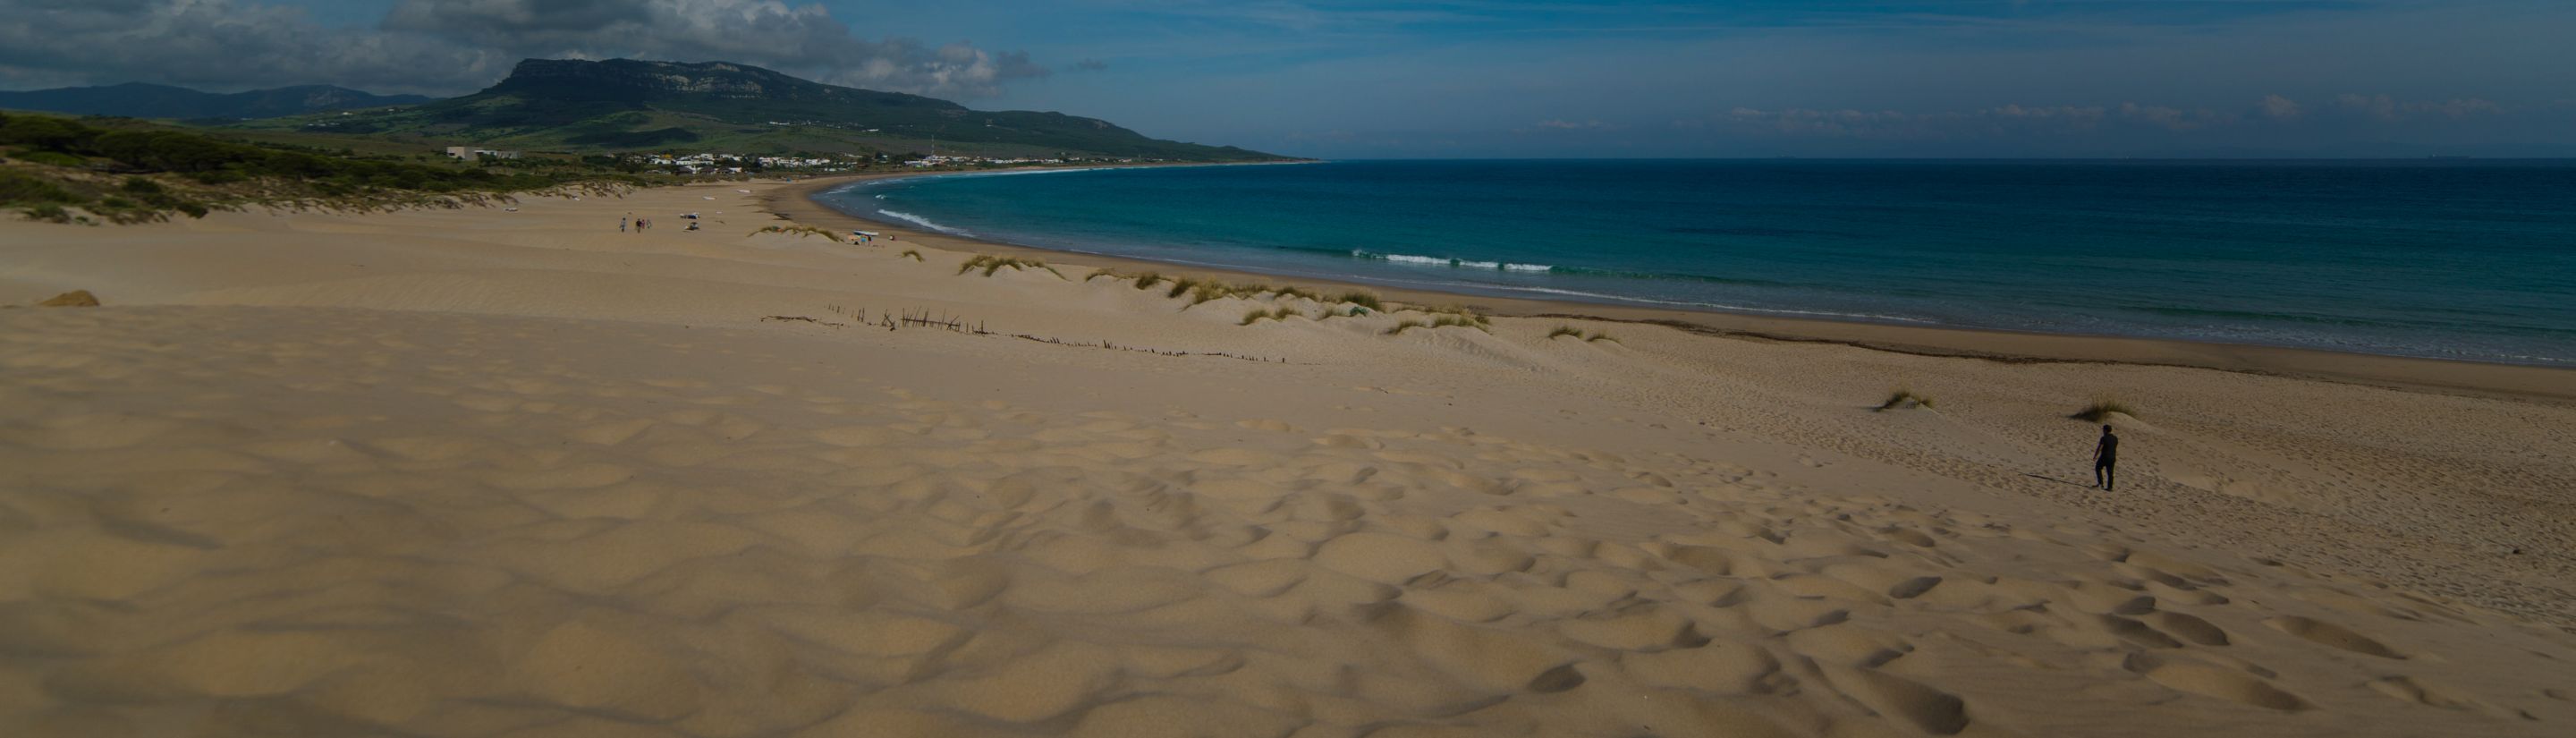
2452	259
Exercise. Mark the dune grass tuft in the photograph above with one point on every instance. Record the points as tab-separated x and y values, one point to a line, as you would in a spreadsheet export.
1293	291
1456	313
2102	408
1461	321
990	264
1355	297
800	230
1902	395
1211	290
911	253
1437	321
1257	315
1565	330
1600	336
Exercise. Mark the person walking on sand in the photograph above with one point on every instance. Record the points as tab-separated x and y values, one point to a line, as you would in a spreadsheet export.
621	225
2106	454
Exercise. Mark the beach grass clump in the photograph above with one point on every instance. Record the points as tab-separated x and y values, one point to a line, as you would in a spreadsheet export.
1281	314
1455	313
1903	397
912	254
1404	325
1210	290
2103	408
1600	336
1332	311
1565	330
1450	320
1356	297
1295	292
800	230
990	264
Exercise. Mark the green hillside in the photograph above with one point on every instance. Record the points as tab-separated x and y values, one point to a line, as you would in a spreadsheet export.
627	105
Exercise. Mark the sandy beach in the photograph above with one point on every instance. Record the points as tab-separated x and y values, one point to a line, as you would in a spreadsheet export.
490	472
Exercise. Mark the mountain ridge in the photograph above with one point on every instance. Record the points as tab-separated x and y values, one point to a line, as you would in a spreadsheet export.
141	100
628	104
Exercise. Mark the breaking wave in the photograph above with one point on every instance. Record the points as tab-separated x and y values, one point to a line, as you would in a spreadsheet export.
925	223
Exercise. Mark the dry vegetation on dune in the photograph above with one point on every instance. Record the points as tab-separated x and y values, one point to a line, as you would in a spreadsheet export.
1567	330
1201	291
1280	313
2103	408
1445	318
990	264
1904	397
913	254
801	230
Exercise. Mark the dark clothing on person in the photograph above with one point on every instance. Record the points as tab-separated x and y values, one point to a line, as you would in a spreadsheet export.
2105	456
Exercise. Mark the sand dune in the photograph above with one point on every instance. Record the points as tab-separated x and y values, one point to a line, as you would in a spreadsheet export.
555	483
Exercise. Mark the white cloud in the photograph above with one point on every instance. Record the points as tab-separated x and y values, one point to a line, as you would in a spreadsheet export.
2277	107
455	45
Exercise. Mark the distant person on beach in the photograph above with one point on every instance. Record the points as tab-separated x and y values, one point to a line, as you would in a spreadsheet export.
621	225
2106	454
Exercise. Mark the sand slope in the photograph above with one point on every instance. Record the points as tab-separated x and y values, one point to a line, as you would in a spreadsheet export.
462	499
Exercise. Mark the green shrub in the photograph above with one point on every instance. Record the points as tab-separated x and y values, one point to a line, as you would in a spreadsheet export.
50	158
16	186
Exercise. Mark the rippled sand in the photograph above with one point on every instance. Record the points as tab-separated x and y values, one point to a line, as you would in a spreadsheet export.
418	474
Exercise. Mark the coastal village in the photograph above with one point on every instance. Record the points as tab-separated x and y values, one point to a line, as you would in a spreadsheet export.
722	163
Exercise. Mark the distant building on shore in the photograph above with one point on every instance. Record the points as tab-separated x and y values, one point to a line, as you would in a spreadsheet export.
469	153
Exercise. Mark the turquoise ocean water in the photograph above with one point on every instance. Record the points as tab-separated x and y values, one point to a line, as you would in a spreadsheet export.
2471	260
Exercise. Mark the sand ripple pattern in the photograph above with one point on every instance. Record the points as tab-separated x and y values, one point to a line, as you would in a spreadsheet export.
379	524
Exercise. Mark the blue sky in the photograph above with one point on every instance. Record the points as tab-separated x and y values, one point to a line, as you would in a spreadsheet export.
1442	79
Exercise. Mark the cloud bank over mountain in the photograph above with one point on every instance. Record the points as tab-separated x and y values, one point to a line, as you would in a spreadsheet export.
449	46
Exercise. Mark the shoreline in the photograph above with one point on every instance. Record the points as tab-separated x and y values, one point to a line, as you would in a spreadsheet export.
2485	379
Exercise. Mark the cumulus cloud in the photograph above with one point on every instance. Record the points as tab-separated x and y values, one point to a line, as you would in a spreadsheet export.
220	43
2277	107
453	45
